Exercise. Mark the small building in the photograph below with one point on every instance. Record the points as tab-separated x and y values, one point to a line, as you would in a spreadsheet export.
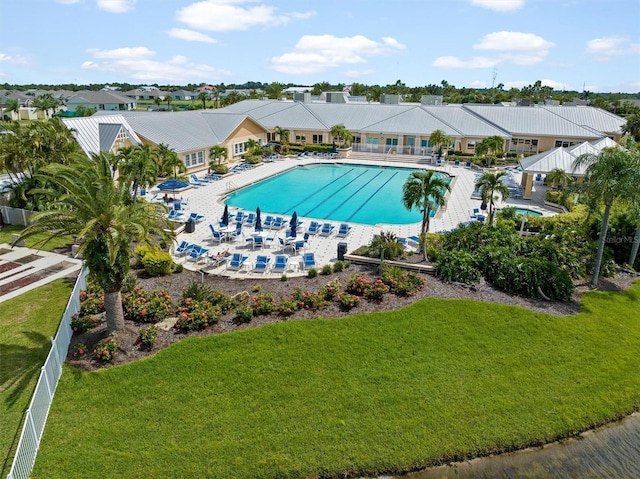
101	101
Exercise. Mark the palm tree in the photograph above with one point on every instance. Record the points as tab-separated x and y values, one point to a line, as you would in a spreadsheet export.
426	191
13	105
168	161
157	100
492	189
274	90
168	99
492	147
609	176
203	96
559	177
100	213
283	136
46	103
438	138
632	126
341	133
139	168
217	152
253	146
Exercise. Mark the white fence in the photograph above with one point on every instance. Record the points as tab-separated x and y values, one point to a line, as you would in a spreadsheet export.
38	410
15	216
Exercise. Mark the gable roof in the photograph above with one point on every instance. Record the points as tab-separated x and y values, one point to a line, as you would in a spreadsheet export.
589	117
98	132
99	97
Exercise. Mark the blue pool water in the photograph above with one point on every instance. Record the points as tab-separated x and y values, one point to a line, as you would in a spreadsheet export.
525	211
333	192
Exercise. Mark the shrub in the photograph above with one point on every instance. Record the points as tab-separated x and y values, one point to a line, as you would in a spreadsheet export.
244	313
326	270
79	350
358	285
312	273
196	315
178	268
220	169
286	307
106	349
348	301
338	266
156	263
146	307
377	290
386	245
148	336
91	300
223	301
83	323
330	290
307	300
197	291
401	283
458	266
284	278
553	196
263	303
257	288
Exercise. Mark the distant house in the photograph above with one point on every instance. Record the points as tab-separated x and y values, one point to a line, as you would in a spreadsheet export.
101	101
206	88
142	94
183	95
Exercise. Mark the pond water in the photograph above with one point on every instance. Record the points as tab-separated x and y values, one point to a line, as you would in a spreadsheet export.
609	452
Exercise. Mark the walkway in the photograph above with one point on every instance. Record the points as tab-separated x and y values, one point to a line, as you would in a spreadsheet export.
23	269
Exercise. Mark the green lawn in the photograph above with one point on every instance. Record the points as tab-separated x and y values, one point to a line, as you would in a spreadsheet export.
26	325
361	395
56	242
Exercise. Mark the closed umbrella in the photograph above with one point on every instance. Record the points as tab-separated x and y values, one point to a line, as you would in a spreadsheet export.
258	220
293	225
225	215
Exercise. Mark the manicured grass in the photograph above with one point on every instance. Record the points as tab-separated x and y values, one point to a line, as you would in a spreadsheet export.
363	394
56	242
26	325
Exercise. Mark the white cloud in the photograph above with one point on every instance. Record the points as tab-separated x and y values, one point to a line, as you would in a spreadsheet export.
478	84
227	15
606	49
455	62
190	35
515	48
523	83
499	5
15	60
116	6
513	41
138	63
319	53
556	85
516	84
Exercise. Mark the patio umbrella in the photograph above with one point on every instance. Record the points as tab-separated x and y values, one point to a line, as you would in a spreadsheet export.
258	226
293	225
225	215
172	185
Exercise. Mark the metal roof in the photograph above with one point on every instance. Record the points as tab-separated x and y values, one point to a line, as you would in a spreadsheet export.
468	124
530	121
86	130
589	117
559	158
98	97
412	121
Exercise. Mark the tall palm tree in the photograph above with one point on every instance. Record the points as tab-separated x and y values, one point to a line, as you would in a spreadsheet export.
492	188
46	103
158	101
439	138
13	105
217	152
283	136
168	161
632	126
559	177
203	96
168	99
274	90
426	190
139	168
609	176
100	213
253	146
492	147
341	133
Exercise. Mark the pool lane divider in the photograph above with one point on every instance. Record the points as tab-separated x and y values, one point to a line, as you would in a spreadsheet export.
358	191
293	208
371	196
344	186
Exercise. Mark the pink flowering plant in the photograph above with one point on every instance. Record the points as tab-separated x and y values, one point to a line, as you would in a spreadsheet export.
376	290
196	315
147	307
348	301
106	349
263	303
80	350
358	284
286	307
91	300
330	290
148	336
83	323
307	300
401	283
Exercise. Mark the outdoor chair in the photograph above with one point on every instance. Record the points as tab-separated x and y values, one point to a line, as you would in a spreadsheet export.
261	264
343	230
237	261
327	229
281	264
308	260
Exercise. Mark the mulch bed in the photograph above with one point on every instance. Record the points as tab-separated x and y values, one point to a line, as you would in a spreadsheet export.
129	351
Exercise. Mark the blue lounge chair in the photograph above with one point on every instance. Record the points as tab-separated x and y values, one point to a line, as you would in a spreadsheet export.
250	219
237	232
175	215
281	264
268	221
467	164
456	163
278	223
216	236
195	217
308	260
200	181
327	229
261	264
343	230
197	253
183	248
237	261
314	227
240	217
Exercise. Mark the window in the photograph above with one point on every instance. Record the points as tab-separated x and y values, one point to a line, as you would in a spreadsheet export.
271	137
471	146
238	149
194	159
566	143
391	142
523	145
317	139
301	139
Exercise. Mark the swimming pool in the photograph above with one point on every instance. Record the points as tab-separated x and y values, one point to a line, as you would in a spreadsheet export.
333	192
525	211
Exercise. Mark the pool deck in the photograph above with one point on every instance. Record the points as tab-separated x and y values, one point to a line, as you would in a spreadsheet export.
207	200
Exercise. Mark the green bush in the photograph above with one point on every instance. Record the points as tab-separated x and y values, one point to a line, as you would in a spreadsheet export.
106	349
156	263
197	291
91	300
326	270
83	323
146	307
401	283
252	159
553	196
244	313
219	169
148	336
196	315
312	273
348	301
307	300
330	290
263	303
284	278
458	266
286	307
338	266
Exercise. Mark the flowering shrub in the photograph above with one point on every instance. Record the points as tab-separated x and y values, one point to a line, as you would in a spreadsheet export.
105	350
348	301
263	303
244	313
91	300
401	283
218	298
146	307
79	349
147	336
83	323
286	307
376	290
307	300
358	285
196	315
330	290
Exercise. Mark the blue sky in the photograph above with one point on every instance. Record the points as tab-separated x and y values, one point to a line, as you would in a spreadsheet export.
567	44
